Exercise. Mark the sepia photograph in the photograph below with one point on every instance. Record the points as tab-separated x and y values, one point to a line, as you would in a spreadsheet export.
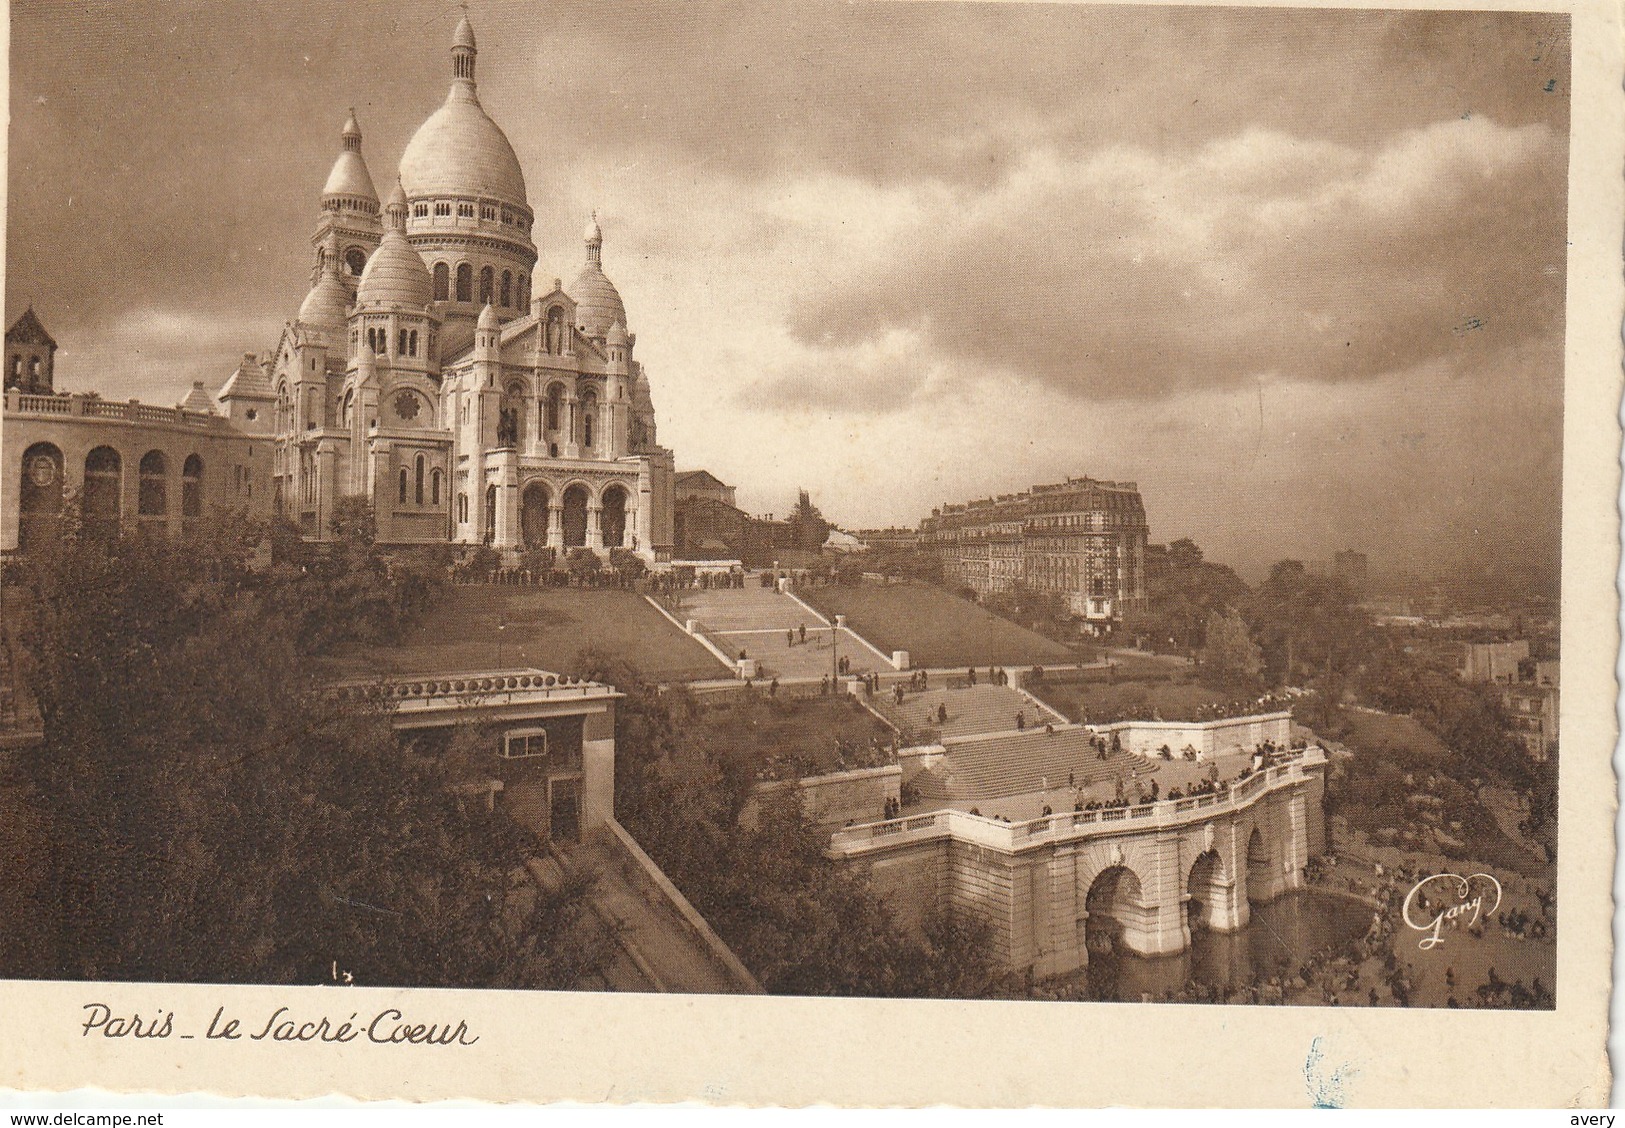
1019	502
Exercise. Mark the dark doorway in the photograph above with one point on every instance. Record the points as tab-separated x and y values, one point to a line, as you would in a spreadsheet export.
575	517
564	810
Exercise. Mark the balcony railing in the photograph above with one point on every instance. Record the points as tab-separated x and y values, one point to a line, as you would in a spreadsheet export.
1073	825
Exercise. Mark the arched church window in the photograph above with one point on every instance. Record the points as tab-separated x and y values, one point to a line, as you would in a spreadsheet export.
412	343
523	282
434	487
465	283
486	276
442	282
355	260
400	342
553	408
507	287
403	486
462	509
589	416
417	495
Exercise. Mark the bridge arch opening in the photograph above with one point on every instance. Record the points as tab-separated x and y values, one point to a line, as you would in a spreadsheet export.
1206	888
1260	878
1116	908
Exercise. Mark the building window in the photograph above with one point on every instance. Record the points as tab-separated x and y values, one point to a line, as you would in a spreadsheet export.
507	216
465	283
153	500
442	208
526	745
507	287
355	261
99	502
192	486
420	211
434	487
465	211
462	509
523	282
417	495
487	212
400	342
412	343
403	486
442	282
486	276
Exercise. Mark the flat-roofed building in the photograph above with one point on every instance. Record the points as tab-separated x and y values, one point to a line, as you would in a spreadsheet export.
1083	538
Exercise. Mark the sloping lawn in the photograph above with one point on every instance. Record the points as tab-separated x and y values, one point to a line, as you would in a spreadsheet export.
936	627
1101	700
478	627
783	738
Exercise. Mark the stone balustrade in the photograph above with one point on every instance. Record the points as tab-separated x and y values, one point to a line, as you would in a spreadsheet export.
92	407
1071	825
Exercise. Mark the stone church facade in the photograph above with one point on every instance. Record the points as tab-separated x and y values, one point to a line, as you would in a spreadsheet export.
426	373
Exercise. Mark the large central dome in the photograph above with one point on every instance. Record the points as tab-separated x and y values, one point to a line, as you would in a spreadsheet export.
460	151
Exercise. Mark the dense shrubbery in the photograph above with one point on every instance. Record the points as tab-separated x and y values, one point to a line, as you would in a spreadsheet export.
208	813
800	923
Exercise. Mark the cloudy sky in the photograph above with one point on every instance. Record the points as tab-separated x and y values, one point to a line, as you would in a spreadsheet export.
1300	274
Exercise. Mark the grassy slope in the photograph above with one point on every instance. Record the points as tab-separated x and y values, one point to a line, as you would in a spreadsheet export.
544	627
936	627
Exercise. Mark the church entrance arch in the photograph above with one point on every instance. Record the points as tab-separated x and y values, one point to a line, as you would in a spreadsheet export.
39	496
575	517
1115	906
614	517
533	514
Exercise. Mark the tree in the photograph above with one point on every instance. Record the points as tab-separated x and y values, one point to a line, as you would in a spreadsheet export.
583	565
1230	658
808	529
211	813
801	923
1308	626
1182	595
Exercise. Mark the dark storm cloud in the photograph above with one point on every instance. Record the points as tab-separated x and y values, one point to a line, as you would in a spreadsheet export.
1132	274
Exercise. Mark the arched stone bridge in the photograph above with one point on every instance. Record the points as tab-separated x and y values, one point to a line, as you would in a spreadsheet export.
1143	876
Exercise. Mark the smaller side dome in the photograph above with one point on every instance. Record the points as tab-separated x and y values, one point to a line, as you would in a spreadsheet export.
488	318
598	303
350	177
618	335
395	274
327	307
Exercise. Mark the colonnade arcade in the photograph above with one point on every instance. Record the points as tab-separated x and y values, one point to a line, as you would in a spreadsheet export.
164	490
574	515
